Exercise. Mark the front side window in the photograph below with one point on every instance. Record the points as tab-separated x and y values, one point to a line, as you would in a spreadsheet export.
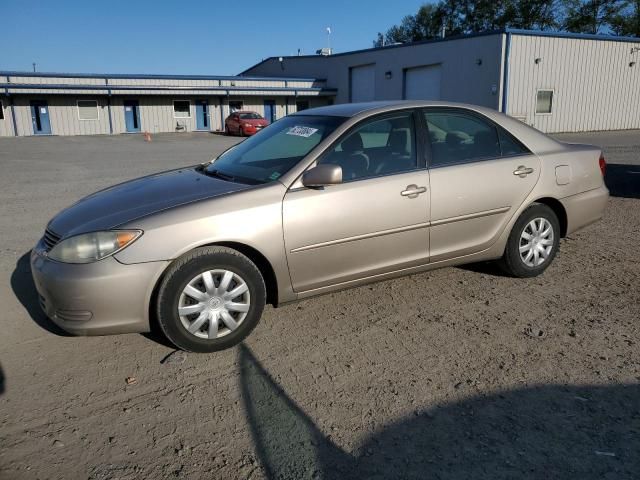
378	147
272	152
181	109
87	109
544	101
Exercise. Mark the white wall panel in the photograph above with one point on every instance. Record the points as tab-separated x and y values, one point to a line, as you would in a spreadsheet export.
594	86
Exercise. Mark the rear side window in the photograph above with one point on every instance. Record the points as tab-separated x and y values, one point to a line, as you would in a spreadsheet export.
461	137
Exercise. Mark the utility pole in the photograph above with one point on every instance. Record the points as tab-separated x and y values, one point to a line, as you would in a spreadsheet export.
34	67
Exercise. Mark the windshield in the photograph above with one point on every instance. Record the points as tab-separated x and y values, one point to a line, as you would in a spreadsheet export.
272	152
250	116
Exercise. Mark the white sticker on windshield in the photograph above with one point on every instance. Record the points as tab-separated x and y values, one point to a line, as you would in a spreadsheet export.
302	131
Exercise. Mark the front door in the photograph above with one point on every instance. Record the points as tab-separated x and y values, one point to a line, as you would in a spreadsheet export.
375	222
202	115
132	116
270	110
40	118
476	186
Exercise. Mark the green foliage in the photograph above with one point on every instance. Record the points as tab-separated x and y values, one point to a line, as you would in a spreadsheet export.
454	17
627	21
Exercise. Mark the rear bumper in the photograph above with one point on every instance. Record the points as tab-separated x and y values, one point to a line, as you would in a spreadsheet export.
585	208
101	298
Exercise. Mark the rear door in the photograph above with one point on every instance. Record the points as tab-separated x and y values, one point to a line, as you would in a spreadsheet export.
375	222
480	175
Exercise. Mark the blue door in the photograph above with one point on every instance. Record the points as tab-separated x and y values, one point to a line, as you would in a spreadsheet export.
132	115
270	110
202	115
40	118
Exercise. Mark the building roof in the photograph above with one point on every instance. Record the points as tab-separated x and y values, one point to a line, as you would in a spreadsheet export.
125	84
513	31
146	76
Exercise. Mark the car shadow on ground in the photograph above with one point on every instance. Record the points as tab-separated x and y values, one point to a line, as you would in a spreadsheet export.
623	180
25	291
548	431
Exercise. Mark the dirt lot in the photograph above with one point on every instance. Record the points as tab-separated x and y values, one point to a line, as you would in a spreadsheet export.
457	373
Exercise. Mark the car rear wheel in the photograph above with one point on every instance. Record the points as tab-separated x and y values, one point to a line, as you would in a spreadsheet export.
210	299
533	242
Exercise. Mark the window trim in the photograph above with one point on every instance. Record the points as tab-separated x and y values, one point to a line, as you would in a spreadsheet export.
473	113
535	107
174	109
419	140
97	119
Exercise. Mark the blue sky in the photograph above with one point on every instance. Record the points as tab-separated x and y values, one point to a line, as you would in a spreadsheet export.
183	37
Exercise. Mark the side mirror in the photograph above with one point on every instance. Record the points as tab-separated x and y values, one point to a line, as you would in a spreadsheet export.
322	175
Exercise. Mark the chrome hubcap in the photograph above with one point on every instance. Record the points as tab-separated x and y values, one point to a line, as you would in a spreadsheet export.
536	242
214	304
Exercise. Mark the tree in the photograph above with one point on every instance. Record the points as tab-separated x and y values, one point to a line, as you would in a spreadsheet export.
627	21
591	16
533	14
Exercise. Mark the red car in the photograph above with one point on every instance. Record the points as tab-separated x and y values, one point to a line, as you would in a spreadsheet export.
244	123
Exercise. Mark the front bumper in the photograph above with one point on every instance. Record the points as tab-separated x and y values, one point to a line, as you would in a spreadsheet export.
101	298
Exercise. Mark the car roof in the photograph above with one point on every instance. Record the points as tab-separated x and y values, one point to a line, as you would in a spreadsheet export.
353	109
535	140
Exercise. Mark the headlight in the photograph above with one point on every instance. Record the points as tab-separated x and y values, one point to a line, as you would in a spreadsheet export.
91	247
248	125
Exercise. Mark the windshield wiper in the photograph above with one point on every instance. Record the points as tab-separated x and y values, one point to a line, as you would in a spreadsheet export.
219	174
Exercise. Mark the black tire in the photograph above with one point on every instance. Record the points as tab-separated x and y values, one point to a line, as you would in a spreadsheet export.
511	261
189	266
226	130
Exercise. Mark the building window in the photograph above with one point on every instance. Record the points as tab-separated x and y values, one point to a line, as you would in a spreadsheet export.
181	109
544	101
235	105
87	110
1	110
302	105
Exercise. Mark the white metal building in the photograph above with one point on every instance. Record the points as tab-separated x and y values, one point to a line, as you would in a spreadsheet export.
556	82
69	104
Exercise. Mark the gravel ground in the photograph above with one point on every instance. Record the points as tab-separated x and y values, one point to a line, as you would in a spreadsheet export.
456	373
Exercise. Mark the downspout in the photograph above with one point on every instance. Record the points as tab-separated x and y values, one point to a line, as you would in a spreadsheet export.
13	110
106	82
505	73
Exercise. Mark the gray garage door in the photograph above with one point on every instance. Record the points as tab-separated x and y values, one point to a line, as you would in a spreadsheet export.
363	83
422	83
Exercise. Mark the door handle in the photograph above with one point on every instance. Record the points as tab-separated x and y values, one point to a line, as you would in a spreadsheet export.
413	191
522	171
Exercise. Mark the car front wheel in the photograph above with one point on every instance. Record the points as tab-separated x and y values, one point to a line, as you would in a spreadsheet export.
210	299
533	242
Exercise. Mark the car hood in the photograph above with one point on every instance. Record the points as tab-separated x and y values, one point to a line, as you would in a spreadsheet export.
138	198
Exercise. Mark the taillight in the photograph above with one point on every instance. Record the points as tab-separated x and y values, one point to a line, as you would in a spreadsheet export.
603	164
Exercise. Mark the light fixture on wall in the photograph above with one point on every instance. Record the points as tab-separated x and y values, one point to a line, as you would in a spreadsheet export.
388	75
478	61
632	64
538	61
